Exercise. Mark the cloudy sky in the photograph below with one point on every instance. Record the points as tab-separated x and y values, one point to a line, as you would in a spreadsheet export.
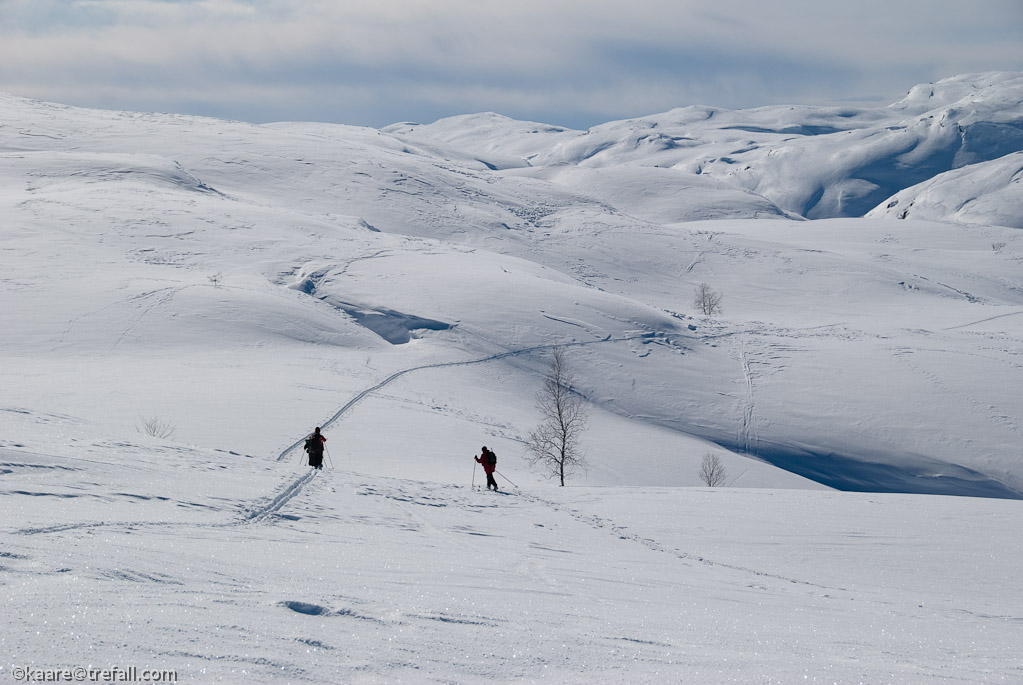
568	62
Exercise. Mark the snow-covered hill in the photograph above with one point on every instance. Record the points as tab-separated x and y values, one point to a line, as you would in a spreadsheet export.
239	284
818	162
979	194
842	356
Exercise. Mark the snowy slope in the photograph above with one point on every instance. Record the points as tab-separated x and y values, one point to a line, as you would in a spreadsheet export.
111	261
979	194
844	349
402	288
496	140
656	195
233	568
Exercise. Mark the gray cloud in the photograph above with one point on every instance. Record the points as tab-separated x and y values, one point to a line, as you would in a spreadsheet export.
571	62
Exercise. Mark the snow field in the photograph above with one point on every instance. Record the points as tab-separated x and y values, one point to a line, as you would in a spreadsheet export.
402	288
361	578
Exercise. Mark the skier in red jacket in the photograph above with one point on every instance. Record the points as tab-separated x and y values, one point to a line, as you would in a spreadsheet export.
489	461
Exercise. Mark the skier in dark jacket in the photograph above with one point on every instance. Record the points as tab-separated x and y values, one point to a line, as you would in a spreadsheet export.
314	447
489	461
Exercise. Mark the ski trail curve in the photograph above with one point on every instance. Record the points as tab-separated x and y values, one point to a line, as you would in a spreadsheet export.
490	358
265	511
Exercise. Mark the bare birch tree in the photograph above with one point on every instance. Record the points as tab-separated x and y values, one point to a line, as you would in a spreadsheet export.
712	471
707	300
554	443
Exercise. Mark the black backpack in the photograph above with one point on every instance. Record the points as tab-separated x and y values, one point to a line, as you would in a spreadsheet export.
491	458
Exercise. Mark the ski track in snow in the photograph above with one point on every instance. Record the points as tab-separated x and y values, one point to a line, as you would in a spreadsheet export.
265	512
404	505
748	433
401	498
268	510
258	514
696	260
124	301
622	533
160	297
973	299
495	357
993	414
974	323
296	487
107	524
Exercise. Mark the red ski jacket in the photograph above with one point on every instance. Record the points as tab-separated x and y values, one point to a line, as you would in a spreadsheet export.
487	466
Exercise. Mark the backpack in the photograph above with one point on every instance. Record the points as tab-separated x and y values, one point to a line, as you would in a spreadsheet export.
491	458
313	445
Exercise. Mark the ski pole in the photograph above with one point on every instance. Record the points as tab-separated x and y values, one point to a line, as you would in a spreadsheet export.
505	477
474	476
329	460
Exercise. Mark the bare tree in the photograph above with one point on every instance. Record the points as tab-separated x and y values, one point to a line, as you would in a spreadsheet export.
712	471
555	442
156	427
707	300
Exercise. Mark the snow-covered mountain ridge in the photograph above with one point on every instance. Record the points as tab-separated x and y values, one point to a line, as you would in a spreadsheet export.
818	162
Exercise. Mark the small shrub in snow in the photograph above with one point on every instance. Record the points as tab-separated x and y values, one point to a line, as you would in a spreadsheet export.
156	427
